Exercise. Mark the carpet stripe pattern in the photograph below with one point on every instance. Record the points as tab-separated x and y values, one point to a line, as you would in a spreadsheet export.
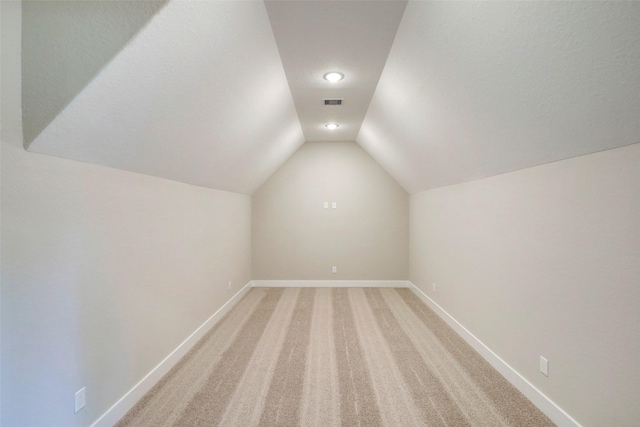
333	357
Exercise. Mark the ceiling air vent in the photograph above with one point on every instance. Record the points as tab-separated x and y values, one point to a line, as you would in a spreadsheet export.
332	101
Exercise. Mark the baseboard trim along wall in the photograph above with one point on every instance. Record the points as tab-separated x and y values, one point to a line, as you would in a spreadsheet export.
330	284
546	405
126	402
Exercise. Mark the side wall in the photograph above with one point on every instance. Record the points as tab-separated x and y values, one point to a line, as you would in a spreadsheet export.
104	272
545	261
366	237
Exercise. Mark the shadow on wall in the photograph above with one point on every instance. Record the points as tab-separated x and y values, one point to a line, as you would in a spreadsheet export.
65	44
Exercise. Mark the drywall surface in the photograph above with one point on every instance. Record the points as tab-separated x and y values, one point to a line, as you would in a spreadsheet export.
545	261
198	95
365	237
10	119
2	29
66	44
105	273
314	37
473	89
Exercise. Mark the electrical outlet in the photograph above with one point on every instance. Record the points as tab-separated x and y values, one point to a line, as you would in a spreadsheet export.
334	205
334	269
229	285
326	205
80	399
544	366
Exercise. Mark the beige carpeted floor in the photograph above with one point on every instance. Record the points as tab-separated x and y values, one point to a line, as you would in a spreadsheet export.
333	357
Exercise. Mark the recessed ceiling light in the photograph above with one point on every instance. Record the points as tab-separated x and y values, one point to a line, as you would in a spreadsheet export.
333	76
332	126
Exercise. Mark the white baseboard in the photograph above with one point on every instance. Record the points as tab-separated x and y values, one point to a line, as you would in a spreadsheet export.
546	405
126	402
540	400
330	284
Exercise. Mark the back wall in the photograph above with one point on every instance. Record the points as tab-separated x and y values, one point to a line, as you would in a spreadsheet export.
295	237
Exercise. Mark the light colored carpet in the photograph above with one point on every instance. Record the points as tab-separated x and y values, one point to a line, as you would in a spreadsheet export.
333	357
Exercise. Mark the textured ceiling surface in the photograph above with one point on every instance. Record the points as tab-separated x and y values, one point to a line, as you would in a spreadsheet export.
221	93
475	89
353	37
66	44
199	96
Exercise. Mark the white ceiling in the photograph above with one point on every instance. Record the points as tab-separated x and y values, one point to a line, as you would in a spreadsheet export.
220	94
315	37
475	89
199	95
63	52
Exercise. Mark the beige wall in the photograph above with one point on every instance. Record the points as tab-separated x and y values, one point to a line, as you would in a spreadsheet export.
366	237
104	272
545	261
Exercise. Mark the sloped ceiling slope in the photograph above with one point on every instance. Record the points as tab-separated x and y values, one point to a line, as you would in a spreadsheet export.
198	95
195	91
315	37
474	89
67	42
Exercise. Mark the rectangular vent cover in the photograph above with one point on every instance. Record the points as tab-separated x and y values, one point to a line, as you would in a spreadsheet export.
333	102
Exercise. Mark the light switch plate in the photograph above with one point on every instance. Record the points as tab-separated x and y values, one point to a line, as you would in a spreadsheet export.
80	399
544	366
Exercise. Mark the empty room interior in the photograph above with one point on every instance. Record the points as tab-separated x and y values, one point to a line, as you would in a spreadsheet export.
320	213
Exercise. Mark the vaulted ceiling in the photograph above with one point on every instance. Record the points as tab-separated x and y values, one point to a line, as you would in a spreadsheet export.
220	93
